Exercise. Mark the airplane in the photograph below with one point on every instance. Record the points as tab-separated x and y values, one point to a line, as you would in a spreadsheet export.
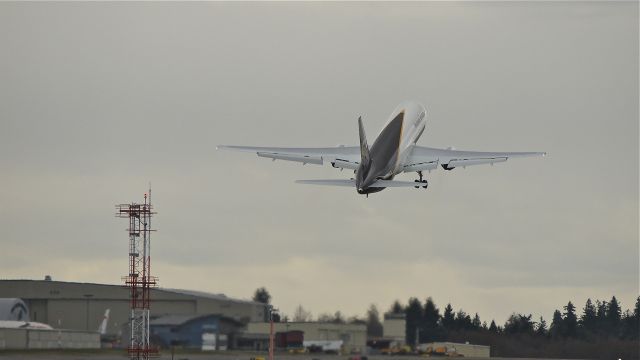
394	151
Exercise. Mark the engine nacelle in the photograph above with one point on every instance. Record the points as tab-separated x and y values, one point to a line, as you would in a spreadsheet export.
343	164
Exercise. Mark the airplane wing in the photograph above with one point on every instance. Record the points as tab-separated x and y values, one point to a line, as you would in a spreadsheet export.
425	158
344	157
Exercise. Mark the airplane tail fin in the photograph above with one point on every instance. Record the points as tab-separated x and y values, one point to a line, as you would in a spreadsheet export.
102	329
364	148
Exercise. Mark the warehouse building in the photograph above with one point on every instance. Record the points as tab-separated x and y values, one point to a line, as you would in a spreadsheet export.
81	306
203	332
353	336
394	327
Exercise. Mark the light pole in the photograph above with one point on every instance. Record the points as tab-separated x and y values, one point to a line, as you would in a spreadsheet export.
272	311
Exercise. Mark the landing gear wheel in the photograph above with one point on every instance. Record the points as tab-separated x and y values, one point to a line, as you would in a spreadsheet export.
421	181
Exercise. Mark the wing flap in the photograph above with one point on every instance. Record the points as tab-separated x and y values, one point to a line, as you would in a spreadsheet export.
421	166
305	159
478	161
349	154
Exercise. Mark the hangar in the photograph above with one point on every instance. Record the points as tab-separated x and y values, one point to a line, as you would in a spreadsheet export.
353	336
81	306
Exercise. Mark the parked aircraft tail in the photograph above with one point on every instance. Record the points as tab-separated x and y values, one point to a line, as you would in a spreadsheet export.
102	329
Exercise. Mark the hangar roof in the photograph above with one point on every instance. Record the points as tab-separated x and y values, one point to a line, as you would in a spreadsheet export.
45	289
176	320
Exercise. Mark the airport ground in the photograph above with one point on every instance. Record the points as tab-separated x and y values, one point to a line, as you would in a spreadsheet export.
183	355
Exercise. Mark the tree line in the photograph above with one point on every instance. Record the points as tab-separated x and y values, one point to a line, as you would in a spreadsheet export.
599	330
599	319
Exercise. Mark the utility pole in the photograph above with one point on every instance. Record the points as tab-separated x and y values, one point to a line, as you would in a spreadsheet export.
272	311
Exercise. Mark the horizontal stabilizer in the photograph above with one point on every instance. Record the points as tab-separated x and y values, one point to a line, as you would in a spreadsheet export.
328	182
393	183
352	183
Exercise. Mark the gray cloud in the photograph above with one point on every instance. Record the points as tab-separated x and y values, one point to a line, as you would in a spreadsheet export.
98	99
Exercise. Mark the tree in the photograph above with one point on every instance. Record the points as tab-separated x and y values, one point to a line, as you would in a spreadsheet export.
338	318
448	319
601	315
413	319
541	329
325	318
374	326
570	320
630	323
493	328
302	315
614	313
519	324
476	322
557	325
431	315
276	317
588	319
261	295
462	321
396	308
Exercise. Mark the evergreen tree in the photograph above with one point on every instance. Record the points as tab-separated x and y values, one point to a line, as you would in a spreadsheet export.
475	323
462	320
413	319
588	320
374	326
630	322
431	316
448	319
396	308
493	328
541	328
628	330
570	320
261	295
276	317
519	324
614	313
601	316
484	325
557	325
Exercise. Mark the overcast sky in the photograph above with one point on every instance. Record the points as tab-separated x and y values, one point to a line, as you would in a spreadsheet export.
98	99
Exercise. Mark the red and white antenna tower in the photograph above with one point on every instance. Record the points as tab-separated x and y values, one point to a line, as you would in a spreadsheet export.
139	280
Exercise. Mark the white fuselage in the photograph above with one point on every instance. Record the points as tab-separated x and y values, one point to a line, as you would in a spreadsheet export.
391	149
413	125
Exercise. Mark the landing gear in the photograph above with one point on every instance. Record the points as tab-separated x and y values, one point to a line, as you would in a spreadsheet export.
425	182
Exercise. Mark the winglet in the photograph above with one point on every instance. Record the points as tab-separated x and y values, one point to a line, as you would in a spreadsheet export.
364	148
